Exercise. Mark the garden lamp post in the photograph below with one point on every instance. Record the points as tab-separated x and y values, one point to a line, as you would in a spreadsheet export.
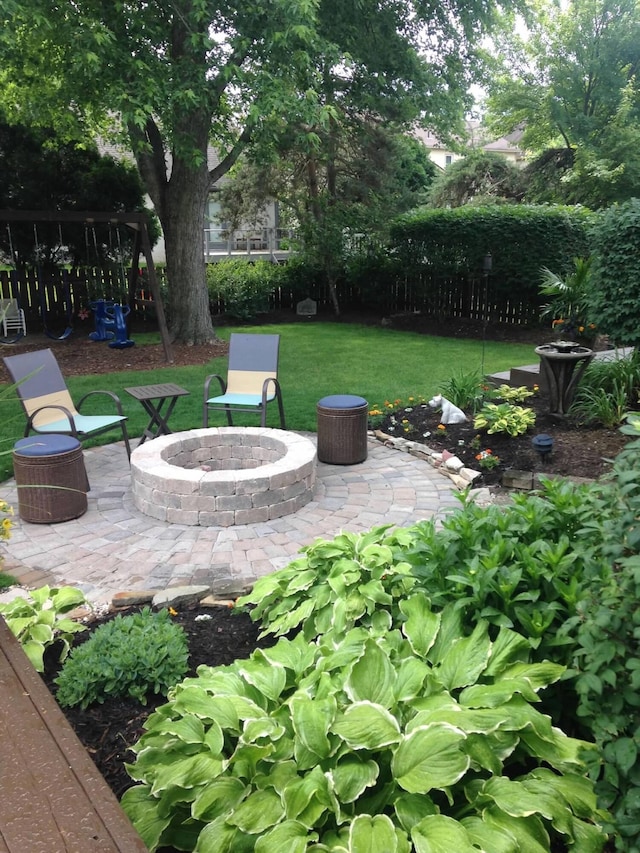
487	264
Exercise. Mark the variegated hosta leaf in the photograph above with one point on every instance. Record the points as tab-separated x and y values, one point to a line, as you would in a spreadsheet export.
143	811
296	655
577	790
441	834
465	660
372	835
193	700
302	791
494	695
365	725
508	648
290	836
412	808
529	832
430	757
372	677
421	625
189	772
489	838
217	837
351	776
269	680
312	719
517	800
220	797
257	812
188	729
411	674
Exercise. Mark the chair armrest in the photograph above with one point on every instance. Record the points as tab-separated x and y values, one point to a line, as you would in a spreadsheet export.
265	388
207	383
114	398
65	412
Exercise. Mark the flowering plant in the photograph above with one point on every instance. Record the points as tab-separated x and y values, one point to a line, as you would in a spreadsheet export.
377	413
487	460
5	523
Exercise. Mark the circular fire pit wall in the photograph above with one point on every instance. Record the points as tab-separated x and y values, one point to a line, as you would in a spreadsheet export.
224	476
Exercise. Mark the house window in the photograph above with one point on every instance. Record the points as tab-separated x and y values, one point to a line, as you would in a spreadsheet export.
447	160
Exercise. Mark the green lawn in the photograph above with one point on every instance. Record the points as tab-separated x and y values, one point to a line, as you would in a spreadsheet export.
315	360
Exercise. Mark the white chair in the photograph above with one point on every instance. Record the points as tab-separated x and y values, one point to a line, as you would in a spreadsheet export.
12	317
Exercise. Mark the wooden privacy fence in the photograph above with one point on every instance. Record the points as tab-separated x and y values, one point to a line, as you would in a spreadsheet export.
60	294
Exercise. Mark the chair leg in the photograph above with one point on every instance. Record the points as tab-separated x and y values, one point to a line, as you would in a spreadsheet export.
125	435
281	408
229	418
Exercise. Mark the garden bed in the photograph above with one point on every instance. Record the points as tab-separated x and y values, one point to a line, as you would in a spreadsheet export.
578	451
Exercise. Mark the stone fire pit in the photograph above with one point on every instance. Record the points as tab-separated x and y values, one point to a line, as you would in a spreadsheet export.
223	476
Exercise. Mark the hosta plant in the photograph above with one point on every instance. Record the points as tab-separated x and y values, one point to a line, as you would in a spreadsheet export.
335	585
513	394
504	417
39	620
415	741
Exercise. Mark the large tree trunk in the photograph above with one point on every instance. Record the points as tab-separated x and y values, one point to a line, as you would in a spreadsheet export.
180	202
182	221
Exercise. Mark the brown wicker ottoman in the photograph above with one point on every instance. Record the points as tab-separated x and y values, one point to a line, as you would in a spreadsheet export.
342	429
51	478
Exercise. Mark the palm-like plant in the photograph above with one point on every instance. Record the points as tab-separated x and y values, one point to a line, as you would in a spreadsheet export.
569	304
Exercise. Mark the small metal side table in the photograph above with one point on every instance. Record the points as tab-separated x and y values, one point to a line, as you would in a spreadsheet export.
158	401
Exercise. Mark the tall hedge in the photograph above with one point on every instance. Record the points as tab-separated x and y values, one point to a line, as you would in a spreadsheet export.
615	273
521	239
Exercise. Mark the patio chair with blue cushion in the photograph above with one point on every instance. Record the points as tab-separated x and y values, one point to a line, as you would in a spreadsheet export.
47	402
252	379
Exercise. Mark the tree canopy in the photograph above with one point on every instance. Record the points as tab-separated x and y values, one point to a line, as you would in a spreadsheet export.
40	172
480	178
572	84
177	76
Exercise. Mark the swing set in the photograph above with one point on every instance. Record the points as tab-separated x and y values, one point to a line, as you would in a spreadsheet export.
141	246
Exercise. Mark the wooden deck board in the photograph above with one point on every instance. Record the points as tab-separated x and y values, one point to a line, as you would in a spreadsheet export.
52	797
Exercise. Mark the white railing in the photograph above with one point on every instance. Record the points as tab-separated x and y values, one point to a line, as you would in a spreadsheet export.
218	242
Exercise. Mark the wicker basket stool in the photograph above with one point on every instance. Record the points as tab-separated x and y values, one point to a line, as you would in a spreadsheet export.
342	429
51	478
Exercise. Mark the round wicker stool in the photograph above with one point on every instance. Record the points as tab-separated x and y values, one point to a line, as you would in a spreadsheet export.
342	429
51	478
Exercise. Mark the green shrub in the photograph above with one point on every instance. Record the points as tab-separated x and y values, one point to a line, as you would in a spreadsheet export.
243	287
521	239
615	273
423	739
39	621
522	566
128	656
607	662
607	390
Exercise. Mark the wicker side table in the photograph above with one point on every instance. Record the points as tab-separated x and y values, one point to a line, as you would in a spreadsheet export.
51	478
342	429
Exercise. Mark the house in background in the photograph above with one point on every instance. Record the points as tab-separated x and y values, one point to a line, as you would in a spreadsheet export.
444	156
263	239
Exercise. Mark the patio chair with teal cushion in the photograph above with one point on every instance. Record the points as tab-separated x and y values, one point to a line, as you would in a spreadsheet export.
47	402
252	379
